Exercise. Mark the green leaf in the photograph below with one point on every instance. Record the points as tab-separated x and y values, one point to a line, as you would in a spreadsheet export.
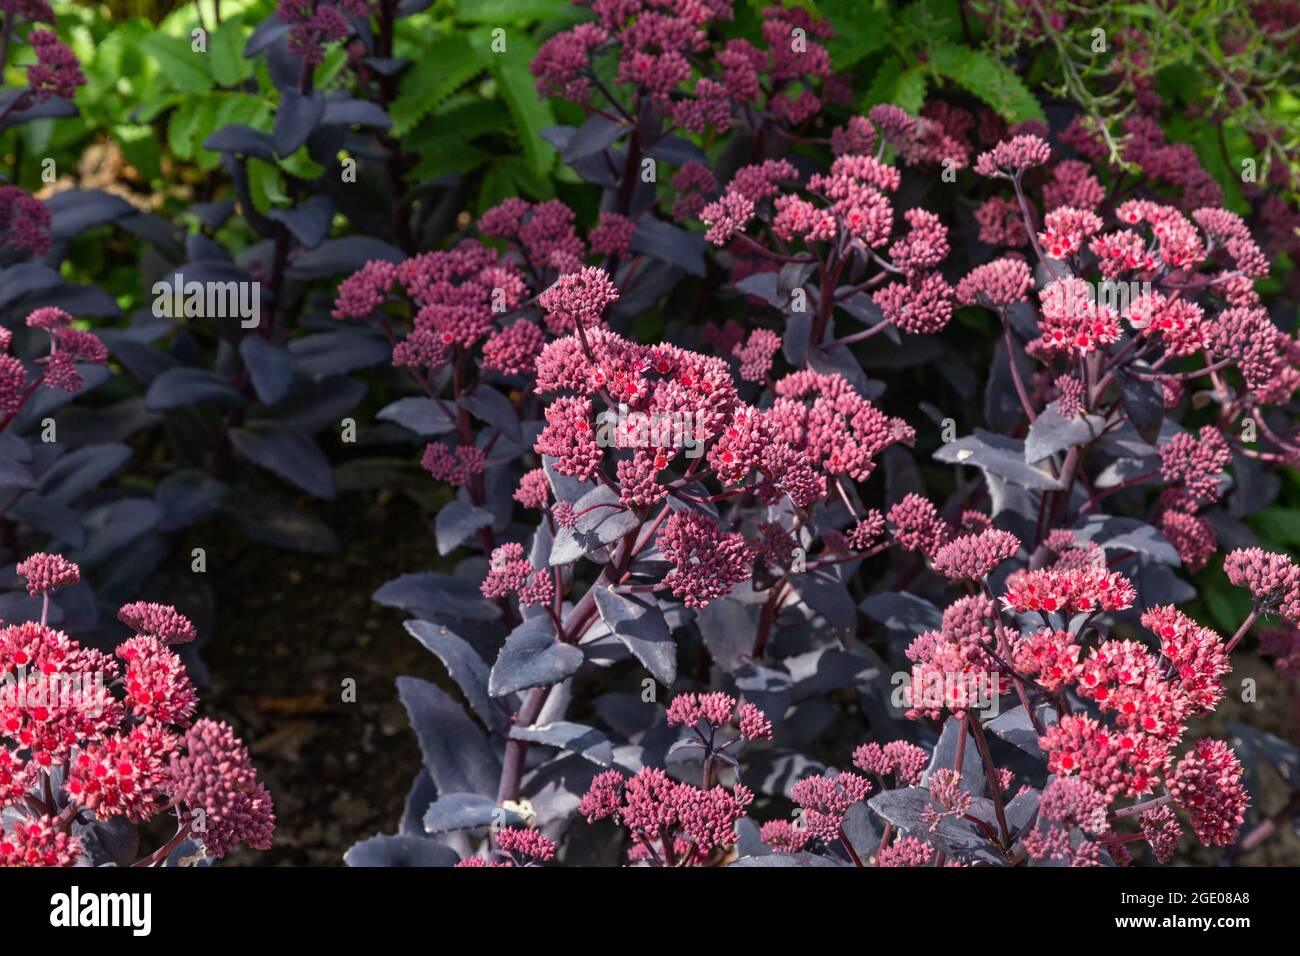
859	31
178	65
265	186
187	122
226	54
909	91
513	11
882	85
1278	525
519	90
445	66
445	154
300	164
537	186
498	184
989	79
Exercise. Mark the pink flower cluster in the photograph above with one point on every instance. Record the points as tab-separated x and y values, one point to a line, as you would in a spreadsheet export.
133	756
713	711
665	816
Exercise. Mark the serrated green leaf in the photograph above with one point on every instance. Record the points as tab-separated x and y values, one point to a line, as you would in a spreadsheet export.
178	65
150	109
858	31
909	91
531	113
226	54
445	66
987	78
186	122
882	85
445	154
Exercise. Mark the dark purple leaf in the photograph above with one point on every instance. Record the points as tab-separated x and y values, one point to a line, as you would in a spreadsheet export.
465	667
456	752
637	621
287	453
271	368
404	850
532	657
296	119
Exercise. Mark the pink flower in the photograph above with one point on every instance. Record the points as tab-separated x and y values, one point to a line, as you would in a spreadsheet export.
974	556
1012	157
1073	185
47	573
534	489
918	525
1049	656
1273	578
920	306
898	757
855	136
24	221
365	290
508	571
159	620
49	318
570	438
925	245
1066	230
514	349
753	723
726	217
215	776
946	790
1075	803
523	842
578	298
997	284
124	775
1196	463
826	799
1074	589
454	467
1073	394
39	842
905	851
1207	784
56	71
783	836
157	687
707	562
613	237
1192	536
1001	223
1162	831
561	62
756	354
1072	321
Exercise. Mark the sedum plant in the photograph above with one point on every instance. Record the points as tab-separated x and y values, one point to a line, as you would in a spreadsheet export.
659	626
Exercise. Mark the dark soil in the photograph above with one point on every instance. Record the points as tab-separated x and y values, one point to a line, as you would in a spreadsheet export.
290	629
